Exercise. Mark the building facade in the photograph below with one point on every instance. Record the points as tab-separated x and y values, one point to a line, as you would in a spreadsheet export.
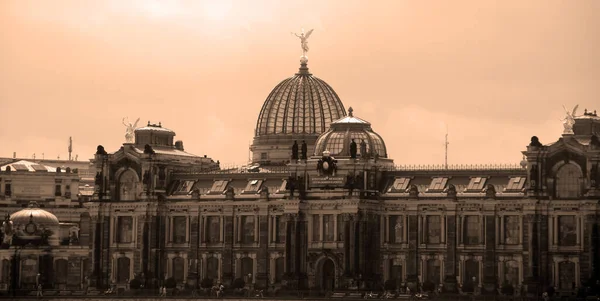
339	213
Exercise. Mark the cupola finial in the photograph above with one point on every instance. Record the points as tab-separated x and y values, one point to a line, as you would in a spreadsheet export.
350	110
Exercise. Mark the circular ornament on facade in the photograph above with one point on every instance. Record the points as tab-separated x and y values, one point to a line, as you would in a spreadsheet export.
30	228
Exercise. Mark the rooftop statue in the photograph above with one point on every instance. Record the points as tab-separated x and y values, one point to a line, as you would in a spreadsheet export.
569	120
129	132
304	41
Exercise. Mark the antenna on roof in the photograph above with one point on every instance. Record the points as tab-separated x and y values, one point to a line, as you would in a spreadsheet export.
33	156
42	156
446	149
70	147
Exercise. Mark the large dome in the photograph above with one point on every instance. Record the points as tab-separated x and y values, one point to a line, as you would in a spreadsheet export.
338	138
299	108
301	104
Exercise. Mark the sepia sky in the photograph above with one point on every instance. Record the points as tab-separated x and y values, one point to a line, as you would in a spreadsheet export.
495	72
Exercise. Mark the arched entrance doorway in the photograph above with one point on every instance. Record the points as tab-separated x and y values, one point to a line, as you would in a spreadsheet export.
327	281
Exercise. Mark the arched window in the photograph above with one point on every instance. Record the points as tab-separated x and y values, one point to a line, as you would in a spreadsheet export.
396	270
511	273
433	271
566	275
178	269
279	269
62	270
471	274
247	269
568	182
123	269
212	268
5	270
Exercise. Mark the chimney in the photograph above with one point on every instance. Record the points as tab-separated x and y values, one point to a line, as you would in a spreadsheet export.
14	155
179	145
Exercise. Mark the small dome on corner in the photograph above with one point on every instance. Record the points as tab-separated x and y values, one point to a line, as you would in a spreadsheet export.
341	133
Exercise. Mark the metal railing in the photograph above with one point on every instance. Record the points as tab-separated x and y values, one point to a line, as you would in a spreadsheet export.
455	167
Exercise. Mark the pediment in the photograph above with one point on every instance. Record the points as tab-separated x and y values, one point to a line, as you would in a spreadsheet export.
125	153
566	145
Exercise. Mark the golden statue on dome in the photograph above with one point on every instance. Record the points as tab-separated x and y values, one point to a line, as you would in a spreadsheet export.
130	129
569	120
304	43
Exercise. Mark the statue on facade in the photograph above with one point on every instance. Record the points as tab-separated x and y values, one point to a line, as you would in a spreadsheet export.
7	231
291	185
130	129
353	149
295	150
304	150
363	149
535	141
304	41
569	120
100	150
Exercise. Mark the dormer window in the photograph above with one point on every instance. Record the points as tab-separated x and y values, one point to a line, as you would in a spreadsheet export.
515	184
218	186
476	184
438	184
283	186
399	185
185	186
20	167
253	186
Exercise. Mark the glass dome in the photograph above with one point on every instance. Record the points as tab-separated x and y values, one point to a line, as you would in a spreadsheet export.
302	104
341	133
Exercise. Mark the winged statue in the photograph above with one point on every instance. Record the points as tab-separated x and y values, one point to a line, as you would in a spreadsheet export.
130	129
304	40
569	120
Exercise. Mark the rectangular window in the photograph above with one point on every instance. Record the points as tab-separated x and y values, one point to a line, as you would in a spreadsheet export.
472	230
567	230
57	190
512	229
179	229
316	227
434	229
399	185
328	227
340	227
438	184
396	229
124	229
281	228
263	156
7	189
248	229
213	231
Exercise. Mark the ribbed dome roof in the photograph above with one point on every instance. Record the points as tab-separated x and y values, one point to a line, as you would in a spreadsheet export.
34	214
302	104
338	138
